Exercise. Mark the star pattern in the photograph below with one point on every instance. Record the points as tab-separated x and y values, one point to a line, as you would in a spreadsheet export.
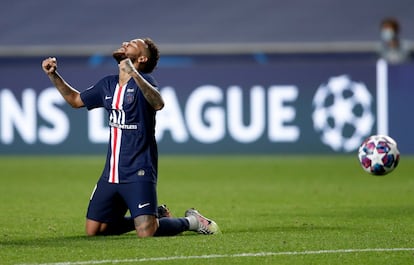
376	158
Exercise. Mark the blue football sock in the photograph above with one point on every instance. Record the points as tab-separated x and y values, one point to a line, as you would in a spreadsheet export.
171	226
119	227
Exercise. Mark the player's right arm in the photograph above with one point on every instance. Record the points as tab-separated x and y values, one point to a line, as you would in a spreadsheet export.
70	94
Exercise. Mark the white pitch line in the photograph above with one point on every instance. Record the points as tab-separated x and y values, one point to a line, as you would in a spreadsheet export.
237	255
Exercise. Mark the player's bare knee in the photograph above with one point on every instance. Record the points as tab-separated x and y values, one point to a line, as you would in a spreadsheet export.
90	233
146	225
93	228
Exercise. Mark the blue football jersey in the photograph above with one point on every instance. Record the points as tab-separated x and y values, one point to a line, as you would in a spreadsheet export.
132	150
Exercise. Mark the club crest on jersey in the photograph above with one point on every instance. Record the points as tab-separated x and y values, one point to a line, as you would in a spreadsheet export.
129	96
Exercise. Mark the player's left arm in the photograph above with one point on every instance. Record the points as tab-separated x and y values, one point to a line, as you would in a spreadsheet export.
151	94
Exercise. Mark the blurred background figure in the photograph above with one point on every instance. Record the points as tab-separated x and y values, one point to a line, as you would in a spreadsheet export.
393	49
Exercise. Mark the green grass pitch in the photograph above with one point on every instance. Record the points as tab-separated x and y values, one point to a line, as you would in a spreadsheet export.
271	210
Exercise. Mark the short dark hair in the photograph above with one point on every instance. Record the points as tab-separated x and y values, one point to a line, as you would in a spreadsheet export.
393	22
154	56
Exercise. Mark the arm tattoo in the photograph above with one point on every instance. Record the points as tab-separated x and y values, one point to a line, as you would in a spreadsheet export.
151	94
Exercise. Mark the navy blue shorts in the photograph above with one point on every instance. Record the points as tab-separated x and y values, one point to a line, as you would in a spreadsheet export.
111	201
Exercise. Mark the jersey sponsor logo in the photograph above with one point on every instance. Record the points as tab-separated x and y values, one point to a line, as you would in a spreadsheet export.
124	126
117	120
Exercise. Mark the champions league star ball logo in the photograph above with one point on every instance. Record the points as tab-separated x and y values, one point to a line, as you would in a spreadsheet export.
342	113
